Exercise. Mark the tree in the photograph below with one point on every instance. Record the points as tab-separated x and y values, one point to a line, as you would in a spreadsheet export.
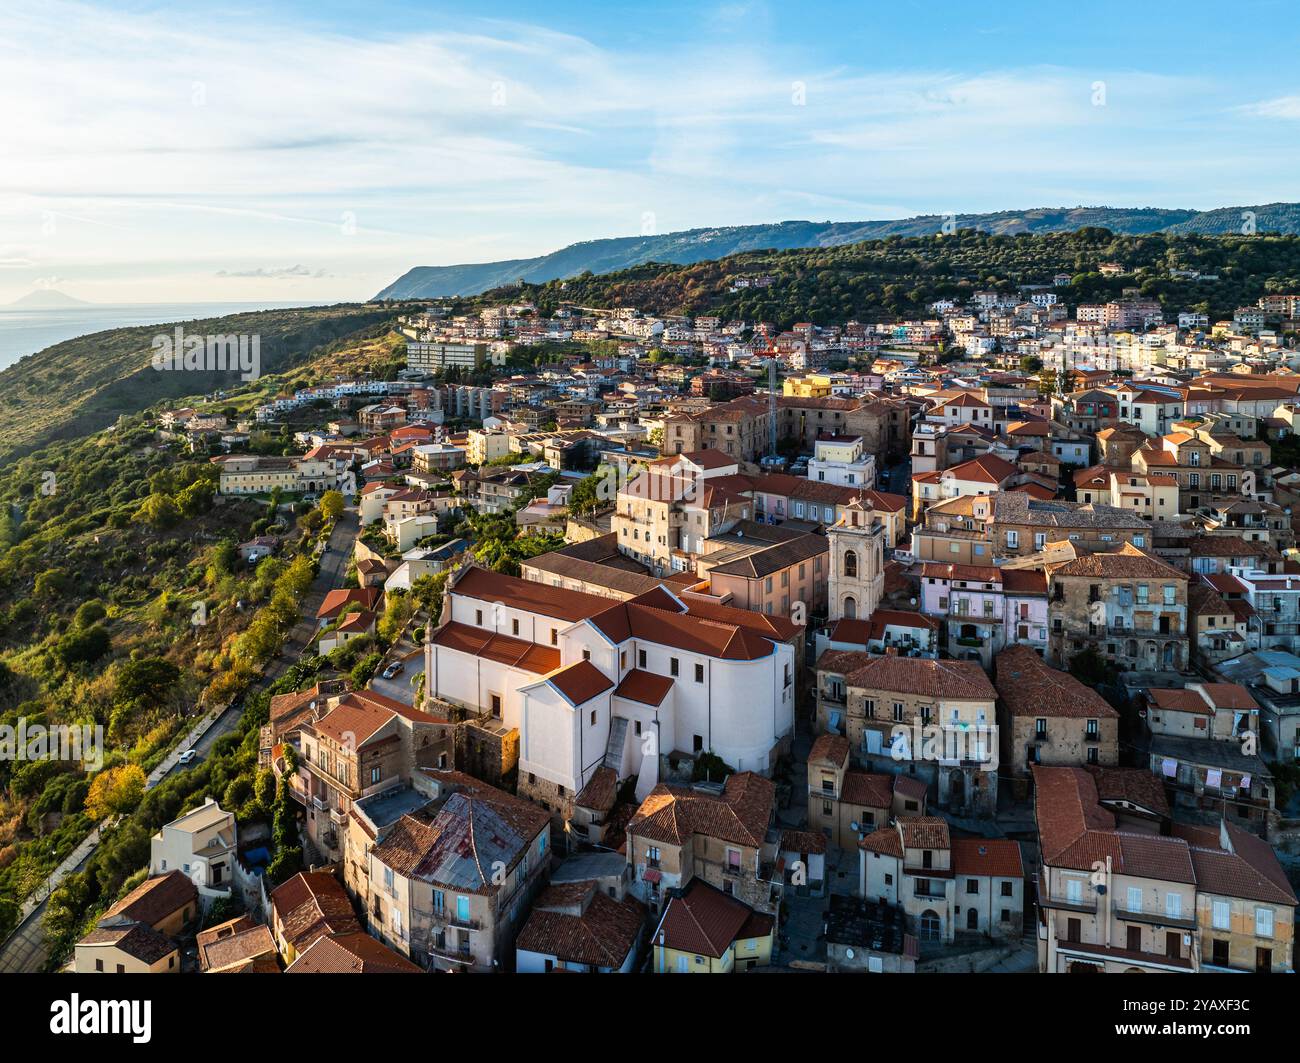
158	511
82	645
149	680
331	505
115	791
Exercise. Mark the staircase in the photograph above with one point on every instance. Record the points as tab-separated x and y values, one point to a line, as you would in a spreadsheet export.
614	747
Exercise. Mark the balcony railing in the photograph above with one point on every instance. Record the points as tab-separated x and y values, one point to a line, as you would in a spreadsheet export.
446	918
1152	918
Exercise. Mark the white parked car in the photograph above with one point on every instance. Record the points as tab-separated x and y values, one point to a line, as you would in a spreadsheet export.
187	756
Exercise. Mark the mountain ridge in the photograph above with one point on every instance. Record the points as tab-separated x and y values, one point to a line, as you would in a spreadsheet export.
689	246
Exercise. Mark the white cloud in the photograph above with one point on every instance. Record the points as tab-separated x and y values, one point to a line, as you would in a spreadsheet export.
157	143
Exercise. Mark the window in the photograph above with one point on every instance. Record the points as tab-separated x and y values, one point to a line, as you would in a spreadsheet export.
555	636
699	673
1263	922
898	711
478	617
99	965
640	658
1134	901
586	655
972	885
850	564
1222	915
1169	591
1174	905
1040	728
462	908
652	856
374	776
672	666
1006	891
389	881
1074	890
593	717
514	626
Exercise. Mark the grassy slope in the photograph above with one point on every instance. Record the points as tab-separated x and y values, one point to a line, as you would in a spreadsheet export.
76	387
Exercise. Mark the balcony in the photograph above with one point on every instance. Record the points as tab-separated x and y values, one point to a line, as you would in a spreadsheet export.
1083	905
446	918
1092	736
1156	919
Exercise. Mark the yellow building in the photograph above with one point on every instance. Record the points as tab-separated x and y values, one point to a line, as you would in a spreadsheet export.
707	931
813	386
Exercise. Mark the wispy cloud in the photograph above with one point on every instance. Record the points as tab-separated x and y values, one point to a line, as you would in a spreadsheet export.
183	147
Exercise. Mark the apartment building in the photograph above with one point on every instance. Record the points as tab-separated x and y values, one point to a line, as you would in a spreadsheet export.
1128	605
983	608
203	845
934	720
846	805
1204	746
1046	716
1203	479
366	744
1114	899
722	834
947	888
255	474
435	357
842	460
665	514
449	885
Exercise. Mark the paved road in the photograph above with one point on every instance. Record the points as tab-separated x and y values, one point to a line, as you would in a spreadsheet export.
25	950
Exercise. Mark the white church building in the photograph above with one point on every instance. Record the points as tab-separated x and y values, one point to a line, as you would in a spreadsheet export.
590	682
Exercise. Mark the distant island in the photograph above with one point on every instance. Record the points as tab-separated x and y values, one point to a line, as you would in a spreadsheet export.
47	299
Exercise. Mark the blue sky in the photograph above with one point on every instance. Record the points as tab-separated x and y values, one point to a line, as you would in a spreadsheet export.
295	151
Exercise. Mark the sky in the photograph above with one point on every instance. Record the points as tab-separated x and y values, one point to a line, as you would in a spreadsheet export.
283	151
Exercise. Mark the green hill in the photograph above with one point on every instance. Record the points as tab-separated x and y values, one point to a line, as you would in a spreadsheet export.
698	245
84	384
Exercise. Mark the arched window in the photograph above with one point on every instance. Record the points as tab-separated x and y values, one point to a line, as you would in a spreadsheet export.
850	608
850	564
931	927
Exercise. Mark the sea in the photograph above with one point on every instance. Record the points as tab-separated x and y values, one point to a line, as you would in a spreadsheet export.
25	331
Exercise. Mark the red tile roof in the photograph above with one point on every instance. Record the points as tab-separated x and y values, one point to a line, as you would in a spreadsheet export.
998	857
580	682
672	814
644	687
1029	687
705	921
530	656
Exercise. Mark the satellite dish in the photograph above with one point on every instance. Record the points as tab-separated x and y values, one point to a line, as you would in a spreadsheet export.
848	954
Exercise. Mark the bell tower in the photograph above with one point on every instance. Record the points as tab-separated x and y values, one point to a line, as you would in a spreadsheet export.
857	557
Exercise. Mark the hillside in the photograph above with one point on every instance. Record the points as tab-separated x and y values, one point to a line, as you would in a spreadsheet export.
84	384
902	276
698	245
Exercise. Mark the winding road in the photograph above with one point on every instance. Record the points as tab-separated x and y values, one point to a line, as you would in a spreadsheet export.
25	951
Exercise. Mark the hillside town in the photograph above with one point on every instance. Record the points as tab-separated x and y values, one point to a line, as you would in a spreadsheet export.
964	644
